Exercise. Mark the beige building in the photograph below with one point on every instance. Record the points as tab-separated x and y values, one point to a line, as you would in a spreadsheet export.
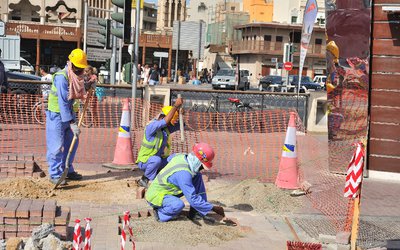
260	47
169	11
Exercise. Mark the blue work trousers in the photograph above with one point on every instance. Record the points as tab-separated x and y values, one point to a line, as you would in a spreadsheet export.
153	165
172	206
58	139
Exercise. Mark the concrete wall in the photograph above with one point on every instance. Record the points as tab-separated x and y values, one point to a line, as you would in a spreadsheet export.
259	10
283	10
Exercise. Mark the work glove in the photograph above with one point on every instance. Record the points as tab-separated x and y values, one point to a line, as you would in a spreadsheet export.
75	129
219	210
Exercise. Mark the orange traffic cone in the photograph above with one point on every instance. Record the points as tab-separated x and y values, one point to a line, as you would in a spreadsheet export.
287	176
123	154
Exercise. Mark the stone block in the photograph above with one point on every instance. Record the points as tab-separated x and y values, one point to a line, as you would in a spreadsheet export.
49	209
63	215
20	164
3	203
10	221
23	209
327	239
343	238
13	157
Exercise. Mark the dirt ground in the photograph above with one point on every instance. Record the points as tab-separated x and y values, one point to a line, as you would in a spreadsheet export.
112	187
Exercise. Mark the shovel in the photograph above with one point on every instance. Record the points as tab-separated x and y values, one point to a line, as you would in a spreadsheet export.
65	173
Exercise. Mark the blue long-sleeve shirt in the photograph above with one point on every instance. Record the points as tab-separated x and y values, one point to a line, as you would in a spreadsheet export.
196	198
154	126
66	110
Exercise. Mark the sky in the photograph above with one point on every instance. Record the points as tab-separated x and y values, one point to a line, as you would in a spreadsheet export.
155	1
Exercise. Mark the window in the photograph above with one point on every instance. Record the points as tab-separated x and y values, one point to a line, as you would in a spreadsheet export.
318	41
279	39
233	8
267	38
294	19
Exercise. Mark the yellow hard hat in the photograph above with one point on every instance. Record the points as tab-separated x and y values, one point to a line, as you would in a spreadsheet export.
333	48
329	87
166	110
78	58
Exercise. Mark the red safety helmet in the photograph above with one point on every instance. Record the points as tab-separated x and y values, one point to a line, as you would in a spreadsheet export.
204	153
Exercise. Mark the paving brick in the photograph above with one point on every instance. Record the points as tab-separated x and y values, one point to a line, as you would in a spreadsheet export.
3	174
3	157
11	208
28	157
49	209
36	209
10	228
20	164
1	235
28	174
61	230
140	192
12	157
29	166
48	220
24	234
23	228
10	221
8	235
63	215
23	209
7	164
144	213
23	221
35	220
3	203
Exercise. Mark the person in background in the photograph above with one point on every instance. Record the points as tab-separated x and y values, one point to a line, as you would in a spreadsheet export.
156	145
90	78
154	75
45	88
182	177
61	121
146	74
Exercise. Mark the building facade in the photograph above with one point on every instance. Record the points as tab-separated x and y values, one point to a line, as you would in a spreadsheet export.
259	10
169	11
260	47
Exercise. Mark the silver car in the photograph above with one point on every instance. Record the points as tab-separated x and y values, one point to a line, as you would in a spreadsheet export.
226	79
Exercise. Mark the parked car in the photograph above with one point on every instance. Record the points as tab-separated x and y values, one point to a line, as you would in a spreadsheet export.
22	87
269	83
226	79
321	80
306	83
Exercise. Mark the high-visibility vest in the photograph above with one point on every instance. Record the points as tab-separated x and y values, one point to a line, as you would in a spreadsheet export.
53	96
150	148
160	187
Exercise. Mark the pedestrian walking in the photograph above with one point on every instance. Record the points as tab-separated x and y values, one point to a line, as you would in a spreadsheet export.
146	74
61	121
46	77
154	75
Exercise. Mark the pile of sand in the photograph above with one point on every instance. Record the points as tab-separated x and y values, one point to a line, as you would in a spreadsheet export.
252	194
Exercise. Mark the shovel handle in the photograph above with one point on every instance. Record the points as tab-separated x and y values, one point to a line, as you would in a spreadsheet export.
181	122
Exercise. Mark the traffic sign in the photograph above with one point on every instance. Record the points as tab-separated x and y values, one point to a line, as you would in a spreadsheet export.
288	66
160	54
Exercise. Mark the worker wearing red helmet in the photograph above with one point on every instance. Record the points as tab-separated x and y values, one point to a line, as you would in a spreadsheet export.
155	148
182	176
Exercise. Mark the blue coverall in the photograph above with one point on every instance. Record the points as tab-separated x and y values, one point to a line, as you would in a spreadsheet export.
58	132
155	163
194	191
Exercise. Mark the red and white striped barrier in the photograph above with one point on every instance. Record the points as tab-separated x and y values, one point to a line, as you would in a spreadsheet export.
88	234
125	223
355	173
77	241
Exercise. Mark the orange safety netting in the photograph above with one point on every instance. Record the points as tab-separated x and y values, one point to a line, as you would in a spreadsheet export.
248	144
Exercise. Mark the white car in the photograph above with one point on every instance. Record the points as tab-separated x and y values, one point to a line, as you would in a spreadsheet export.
321	80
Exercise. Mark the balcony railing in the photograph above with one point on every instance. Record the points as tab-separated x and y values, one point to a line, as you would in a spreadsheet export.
272	48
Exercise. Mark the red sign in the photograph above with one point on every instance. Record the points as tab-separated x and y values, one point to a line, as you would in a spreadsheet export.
288	66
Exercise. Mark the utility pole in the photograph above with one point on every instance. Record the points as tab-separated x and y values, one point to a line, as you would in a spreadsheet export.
135	64
177	52
114	51
85	27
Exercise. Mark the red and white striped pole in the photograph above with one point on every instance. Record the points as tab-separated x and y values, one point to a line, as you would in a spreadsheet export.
125	223
88	234
76	244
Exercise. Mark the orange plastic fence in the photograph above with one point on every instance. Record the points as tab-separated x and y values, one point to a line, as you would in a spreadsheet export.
247	144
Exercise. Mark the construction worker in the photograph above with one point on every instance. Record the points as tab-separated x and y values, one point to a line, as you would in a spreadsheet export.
182	176
155	147
61	121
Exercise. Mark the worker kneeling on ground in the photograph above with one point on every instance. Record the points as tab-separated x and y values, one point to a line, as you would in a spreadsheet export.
61	121
182	177
155	147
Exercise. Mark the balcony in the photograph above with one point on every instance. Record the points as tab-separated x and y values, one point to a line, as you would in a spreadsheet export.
272	48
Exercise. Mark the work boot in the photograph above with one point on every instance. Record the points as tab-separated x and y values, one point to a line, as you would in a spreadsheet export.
74	176
193	214
143	182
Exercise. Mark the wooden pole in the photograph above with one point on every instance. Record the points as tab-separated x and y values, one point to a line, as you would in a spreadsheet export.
354	227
